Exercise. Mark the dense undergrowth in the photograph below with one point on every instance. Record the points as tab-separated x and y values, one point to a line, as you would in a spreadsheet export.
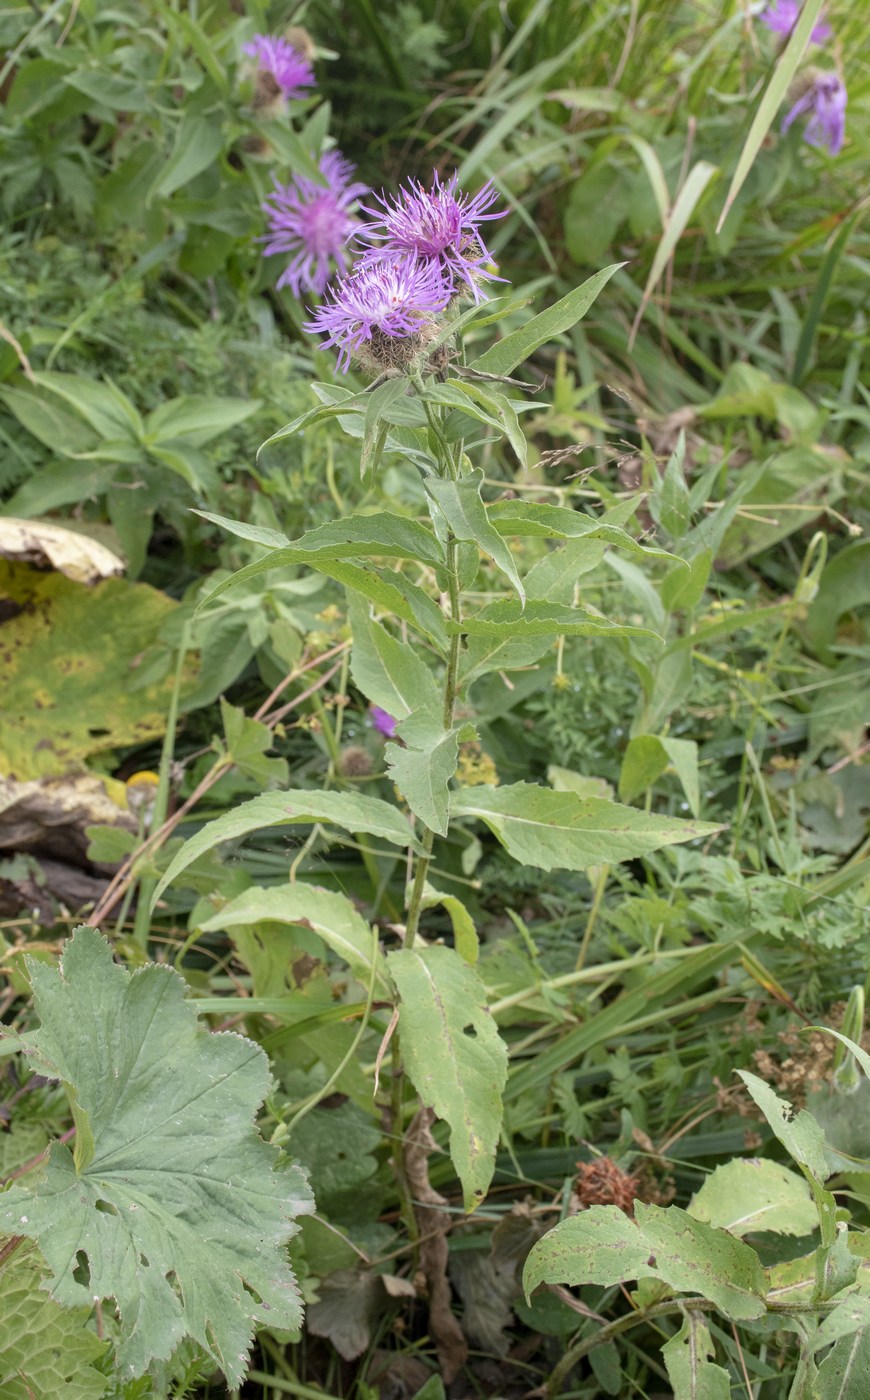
710	410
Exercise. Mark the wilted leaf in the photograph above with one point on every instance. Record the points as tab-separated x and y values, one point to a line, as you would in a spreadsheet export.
173	1205
561	831
44	544
454	1056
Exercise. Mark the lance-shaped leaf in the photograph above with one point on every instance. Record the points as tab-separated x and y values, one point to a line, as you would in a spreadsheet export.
562	831
380	536
506	620
45	1350
529	518
173	1205
454	1056
299	806
387	672
506	354
462	507
422	772
691	1370
844	1371
601	1245
330	915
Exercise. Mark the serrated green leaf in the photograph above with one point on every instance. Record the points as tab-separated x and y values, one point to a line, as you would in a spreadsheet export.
298	806
753	1194
844	1371
454	1056
462	507
506	354
330	915
561	831
380	536
247	742
46	1351
601	1245
799	1133
387	672
422	773
530	518
508	619
390	591
174	1206
688	1358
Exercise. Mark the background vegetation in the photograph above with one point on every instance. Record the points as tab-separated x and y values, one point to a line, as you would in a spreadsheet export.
717	385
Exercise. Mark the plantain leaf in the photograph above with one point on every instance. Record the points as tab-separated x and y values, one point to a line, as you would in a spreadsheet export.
298	806
454	1056
562	831
173	1205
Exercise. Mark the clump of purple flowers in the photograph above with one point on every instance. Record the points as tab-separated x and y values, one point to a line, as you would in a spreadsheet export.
289	68
781	16
441	225
313	223
423	249
382	308
825	101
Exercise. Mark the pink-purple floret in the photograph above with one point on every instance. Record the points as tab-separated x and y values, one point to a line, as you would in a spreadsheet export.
313	223
825	102
781	16
383	722
290	69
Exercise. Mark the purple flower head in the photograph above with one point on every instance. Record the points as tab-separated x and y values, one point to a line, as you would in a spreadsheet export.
440	225
290	69
313	223
781	16
377	307
383	722
825	101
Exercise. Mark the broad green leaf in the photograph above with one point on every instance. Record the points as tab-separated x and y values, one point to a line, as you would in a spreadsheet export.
506	354
561	831
42	416
648	755
247	743
109	412
783	73
110	89
298	806
791	492
388	672
173	1205
198	143
525	518
461	505
753	1194
380	401
506	619
484	404
330	915
844	1371
601	1245
598	1245
198	419
454	1056
423	770
688	1358
46	1351
393	592
799	1133
65	698
851	1315
669	503
465	937
380	536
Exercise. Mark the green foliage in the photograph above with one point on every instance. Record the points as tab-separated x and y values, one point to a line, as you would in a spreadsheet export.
45	1349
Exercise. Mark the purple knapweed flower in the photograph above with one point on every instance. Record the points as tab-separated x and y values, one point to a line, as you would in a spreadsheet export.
380	311
290	69
313	222
825	100
383	722
781	16
441	225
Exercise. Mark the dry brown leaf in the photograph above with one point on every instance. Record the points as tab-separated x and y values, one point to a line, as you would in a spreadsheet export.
49	546
434	1223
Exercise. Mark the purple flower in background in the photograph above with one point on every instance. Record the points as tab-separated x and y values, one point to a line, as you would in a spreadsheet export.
290	69
384	723
313	222
781	16
825	100
441	225
379	304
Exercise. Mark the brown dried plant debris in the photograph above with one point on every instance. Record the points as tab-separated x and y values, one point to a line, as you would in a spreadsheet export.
434	1224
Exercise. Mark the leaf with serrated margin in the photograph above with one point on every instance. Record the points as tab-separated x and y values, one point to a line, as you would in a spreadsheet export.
752	1194
599	1245
173	1205
422	773
844	1371
507	618
454	1056
380	536
528	518
688	1358
297	807
387	672
506	354
332	917
800	1134
561	831
462	507
46	1351
392	592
